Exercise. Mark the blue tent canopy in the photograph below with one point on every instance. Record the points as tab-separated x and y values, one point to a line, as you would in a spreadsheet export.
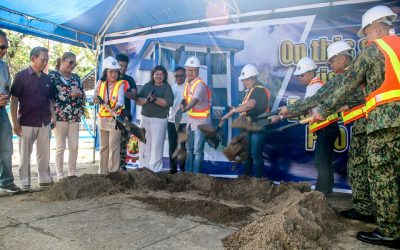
87	23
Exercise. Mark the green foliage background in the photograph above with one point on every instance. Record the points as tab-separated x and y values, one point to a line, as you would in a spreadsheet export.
20	46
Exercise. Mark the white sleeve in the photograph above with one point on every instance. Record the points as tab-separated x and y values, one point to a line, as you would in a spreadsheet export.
121	96
96	89
312	89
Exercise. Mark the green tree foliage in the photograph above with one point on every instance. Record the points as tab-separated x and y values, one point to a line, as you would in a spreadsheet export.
20	46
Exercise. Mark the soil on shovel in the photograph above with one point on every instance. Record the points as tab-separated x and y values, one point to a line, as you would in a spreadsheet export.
289	215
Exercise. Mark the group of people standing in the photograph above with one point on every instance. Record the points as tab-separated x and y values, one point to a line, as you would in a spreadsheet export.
159	101
364	90
367	92
39	103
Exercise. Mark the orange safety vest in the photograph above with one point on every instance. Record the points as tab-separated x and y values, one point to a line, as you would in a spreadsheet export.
353	114
103	112
329	120
247	96
188	94
389	91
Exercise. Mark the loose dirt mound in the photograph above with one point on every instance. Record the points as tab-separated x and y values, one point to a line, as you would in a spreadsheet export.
253	190
212	211
294	220
294	217
84	187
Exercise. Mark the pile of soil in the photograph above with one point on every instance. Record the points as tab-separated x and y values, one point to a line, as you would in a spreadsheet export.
292	216
293	220
212	211
84	187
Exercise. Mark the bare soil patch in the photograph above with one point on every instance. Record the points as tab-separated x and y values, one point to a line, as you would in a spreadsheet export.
292	216
210	210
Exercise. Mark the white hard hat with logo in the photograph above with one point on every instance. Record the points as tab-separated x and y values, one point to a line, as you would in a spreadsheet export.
304	65
111	63
338	47
192	62
382	13
248	70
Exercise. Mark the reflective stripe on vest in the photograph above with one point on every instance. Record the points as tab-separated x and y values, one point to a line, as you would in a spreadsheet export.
247	96
188	94
103	112
329	120
389	91
353	114
316	80
319	125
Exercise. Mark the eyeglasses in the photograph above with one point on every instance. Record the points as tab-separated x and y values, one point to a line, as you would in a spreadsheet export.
71	62
3	47
180	75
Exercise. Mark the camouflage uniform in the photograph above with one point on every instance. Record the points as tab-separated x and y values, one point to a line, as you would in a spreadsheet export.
303	105
357	164
383	132
357	168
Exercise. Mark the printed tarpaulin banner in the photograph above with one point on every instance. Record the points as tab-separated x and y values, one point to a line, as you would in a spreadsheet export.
274	43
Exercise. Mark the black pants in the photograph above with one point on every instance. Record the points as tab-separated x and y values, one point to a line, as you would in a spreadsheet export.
173	143
123	150
324	147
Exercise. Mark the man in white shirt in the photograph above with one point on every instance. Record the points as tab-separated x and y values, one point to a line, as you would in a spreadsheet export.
326	132
177	89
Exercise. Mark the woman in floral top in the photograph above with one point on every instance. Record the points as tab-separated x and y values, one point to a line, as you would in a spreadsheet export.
69	103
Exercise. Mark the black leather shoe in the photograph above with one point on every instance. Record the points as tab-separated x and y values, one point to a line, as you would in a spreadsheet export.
352	214
173	171
377	238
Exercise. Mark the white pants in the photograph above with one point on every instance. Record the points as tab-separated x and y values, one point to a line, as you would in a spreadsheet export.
110	143
64	131
30	135
151	153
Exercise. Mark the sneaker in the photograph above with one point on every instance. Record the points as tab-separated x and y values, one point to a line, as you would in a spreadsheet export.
46	184
26	187
10	189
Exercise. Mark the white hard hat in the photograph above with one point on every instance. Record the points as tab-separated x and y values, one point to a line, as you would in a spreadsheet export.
336	48
111	63
304	65
374	14
193	62
248	70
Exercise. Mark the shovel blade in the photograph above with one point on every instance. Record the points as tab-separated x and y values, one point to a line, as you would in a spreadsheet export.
137	131
178	118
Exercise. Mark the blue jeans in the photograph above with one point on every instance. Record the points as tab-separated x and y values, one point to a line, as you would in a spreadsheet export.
194	151
6	150
255	148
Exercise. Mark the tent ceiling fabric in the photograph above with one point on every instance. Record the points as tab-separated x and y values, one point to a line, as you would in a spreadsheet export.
76	21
